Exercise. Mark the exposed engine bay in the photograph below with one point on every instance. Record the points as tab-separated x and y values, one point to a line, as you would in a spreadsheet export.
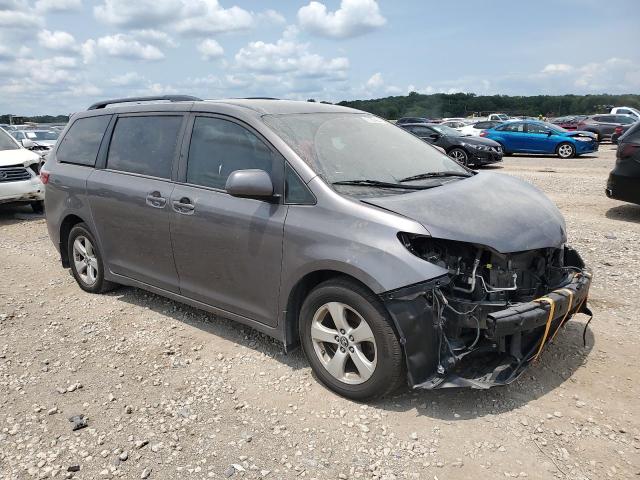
493	312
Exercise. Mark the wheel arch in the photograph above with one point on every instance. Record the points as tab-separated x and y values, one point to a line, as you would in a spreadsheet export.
297	295
65	229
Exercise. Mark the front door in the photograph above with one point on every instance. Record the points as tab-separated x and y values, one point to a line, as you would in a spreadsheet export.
130	198
228	250
540	138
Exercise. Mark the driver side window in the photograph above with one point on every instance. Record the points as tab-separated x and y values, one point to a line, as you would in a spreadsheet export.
219	147
537	128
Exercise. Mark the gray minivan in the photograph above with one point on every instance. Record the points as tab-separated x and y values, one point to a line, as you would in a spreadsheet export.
322	226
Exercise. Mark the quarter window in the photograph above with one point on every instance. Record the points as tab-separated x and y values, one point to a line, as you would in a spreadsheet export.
295	191
81	143
145	145
220	147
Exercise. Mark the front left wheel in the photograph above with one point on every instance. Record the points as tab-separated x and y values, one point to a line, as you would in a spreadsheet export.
86	260
460	155
347	337
566	150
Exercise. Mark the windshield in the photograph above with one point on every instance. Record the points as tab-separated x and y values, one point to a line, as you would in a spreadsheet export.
555	128
42	135
7	142
353	146
446	131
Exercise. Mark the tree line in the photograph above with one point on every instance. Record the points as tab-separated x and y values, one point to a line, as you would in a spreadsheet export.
439	105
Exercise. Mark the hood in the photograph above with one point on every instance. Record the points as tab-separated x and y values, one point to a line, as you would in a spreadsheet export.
491	209
478	141
21	156
580	133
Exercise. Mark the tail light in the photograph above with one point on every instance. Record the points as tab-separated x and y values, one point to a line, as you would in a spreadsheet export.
44	176
483	133
618	130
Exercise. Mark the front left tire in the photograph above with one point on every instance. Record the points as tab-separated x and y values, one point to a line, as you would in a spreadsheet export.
460	155
565	150
347	337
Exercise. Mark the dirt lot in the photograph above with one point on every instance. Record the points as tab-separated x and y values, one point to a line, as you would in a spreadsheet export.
172	392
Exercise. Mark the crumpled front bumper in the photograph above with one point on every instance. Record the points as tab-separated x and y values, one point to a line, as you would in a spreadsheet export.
513	337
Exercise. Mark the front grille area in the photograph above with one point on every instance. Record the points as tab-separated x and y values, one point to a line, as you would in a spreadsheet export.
14	174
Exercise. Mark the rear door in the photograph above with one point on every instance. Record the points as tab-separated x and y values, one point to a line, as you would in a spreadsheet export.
129	197
513	136
228	250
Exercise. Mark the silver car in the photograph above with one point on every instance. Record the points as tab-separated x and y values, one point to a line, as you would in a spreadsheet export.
325	227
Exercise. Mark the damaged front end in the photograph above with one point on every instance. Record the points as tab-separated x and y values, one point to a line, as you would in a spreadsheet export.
484	322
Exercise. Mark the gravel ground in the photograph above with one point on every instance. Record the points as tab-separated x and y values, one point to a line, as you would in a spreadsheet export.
167	391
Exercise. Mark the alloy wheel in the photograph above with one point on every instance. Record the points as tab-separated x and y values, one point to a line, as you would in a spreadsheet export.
459	155
565	151
85	260
344	343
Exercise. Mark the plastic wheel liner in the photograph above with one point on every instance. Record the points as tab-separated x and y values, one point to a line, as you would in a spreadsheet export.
512	334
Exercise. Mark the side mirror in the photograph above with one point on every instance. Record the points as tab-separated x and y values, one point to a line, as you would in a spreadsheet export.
549	133
26	143
434	136
252	183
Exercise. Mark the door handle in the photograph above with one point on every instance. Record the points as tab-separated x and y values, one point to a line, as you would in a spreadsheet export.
184	206
155	200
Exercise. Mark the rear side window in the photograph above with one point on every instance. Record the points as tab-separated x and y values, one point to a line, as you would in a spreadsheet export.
512	127
625	120
219	147
81	143
145	145
633	135
483	125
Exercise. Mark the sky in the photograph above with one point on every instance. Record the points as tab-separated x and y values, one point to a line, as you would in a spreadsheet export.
59	56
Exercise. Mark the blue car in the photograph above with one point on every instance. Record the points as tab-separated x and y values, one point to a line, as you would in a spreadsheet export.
531	136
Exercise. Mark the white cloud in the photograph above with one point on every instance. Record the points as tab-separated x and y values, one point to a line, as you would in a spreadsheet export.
57	6
554	68
375	81
210	49
271	16
155	37
57	40
126	47
88	51
128	79
138	13
354	17
288	56
204	17
19	20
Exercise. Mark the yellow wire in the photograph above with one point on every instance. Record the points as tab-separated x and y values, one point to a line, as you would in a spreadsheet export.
570	292
552	310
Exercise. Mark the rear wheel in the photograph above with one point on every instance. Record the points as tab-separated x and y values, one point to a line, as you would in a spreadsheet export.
504	151
348	340
460	155
566	150
86	260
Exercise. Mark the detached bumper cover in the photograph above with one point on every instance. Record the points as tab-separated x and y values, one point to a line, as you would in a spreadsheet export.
22	191
493	361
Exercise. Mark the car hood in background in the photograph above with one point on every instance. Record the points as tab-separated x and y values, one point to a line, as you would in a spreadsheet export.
491	209
580	133
21	156
478	141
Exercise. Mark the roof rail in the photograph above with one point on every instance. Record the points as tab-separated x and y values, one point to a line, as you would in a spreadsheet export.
169	98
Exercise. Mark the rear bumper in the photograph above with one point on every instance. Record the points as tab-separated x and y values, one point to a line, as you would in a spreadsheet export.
622	188
506	347
24	191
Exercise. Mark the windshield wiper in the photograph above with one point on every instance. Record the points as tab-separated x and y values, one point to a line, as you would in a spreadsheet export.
379	184
422	176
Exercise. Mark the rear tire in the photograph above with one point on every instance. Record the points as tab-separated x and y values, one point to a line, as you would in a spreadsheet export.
37	206
504	151
365	362
565	150
86	260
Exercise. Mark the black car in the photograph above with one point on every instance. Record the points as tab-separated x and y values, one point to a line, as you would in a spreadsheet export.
465	149
604	125
624	179
404	120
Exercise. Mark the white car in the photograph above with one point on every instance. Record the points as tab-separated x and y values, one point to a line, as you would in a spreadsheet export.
633	112
474	129
19	174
